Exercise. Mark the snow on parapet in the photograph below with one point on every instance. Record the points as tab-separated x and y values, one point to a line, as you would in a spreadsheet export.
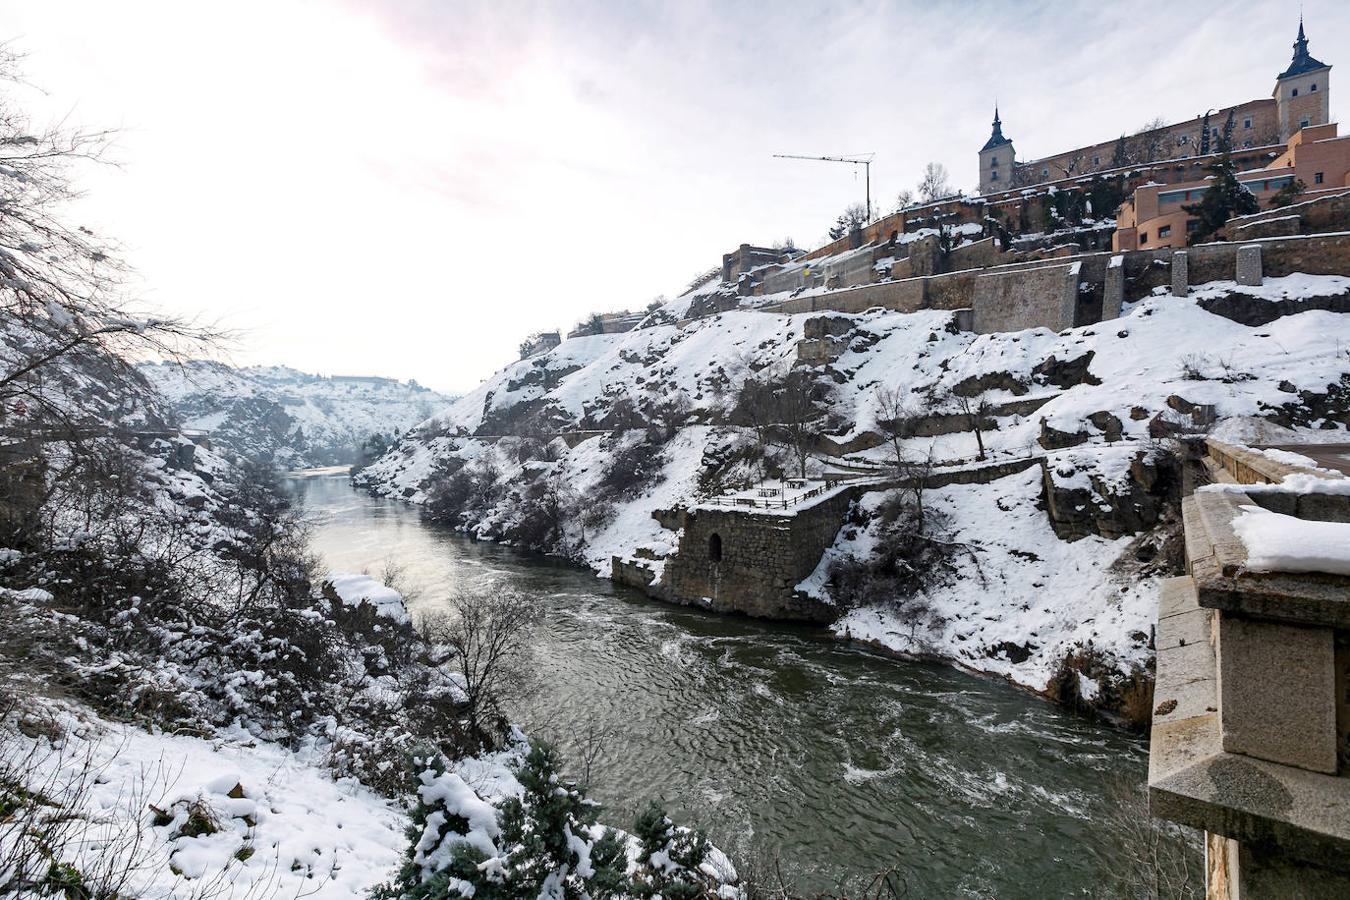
1279	543
352	590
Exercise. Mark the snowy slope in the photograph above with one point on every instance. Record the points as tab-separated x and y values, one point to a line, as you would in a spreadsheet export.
290	417
1108	387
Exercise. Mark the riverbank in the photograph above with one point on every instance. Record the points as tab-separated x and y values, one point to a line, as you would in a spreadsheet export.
781	739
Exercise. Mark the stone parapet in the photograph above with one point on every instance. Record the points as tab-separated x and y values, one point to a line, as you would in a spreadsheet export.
1262	818
1249	466
1218	562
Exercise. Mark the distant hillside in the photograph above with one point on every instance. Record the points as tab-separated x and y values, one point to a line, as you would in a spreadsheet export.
289	417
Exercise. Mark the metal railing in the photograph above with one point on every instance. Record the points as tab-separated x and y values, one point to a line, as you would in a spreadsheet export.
773	498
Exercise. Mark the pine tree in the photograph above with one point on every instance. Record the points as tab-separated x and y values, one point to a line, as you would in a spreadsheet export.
543	843
1224	198
1287	194
1120	157
670	857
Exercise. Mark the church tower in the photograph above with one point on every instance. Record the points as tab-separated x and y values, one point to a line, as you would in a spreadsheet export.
1301	91
996	161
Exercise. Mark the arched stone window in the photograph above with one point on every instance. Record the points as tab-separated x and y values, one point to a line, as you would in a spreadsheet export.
715	548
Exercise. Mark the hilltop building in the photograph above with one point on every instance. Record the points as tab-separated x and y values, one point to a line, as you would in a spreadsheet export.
1301	98
1154	217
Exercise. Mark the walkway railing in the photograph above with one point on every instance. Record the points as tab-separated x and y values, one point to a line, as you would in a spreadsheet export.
774	498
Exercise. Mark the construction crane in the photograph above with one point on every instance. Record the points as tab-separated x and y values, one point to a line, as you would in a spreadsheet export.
861	159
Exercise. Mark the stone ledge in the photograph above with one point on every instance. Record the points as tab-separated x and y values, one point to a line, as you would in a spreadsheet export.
1248	466
1218	558
1194	782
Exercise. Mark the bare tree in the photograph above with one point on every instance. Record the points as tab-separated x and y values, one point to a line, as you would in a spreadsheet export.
895	420
976	410
1151	139
755	407
797	426
914	471
904	199
934	184
1158	860
854	216
488	632
62	288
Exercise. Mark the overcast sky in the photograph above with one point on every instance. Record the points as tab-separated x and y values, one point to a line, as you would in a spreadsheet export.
409	187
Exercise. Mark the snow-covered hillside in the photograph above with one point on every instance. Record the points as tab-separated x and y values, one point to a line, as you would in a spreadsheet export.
1097	404
289	417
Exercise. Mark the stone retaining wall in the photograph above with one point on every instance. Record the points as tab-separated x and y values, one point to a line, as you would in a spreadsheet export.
1010	301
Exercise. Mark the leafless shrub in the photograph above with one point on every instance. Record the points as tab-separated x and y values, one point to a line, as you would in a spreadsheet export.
1154	859
488	633
633	468
1194	366
907	561
784	414
766	877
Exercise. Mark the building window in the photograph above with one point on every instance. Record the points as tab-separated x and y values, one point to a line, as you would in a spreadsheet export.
1295	94
993	163
1165	231
1304	122
1317	177
1045	173
1143	237
715	547
993	176
1184	139
1192	225
1313	88
1096	160
1247	123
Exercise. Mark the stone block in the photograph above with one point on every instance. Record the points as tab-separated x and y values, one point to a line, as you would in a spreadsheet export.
1180	273
1114	296
1249	265
1277	692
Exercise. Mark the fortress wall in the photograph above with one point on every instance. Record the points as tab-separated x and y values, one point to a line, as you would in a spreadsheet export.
1010	301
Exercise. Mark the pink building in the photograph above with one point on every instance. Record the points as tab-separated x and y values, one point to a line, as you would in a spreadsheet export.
1153	217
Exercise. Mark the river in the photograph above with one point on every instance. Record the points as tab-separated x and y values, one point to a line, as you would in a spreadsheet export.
774	738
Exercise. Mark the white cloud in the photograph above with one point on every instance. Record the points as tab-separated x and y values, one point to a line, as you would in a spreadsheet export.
408	188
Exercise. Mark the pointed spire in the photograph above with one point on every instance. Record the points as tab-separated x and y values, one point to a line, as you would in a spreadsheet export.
996	138
1302	61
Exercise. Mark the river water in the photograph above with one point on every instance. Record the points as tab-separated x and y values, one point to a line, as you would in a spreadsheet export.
775	739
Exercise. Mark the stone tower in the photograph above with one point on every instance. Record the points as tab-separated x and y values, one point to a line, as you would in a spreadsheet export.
1301	91
996	160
